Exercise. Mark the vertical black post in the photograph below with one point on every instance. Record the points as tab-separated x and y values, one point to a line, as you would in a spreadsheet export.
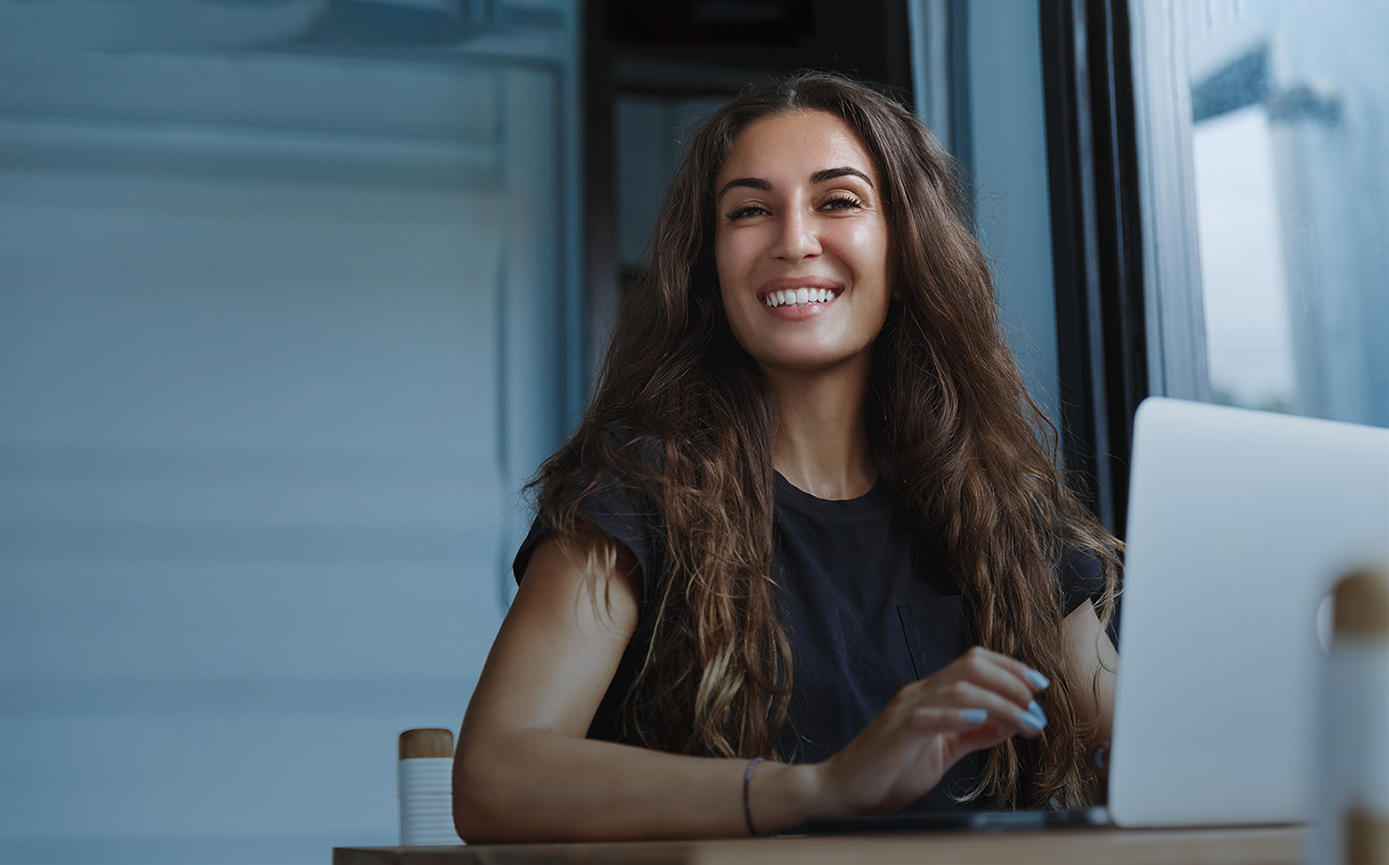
1121	242
600	174
1091	153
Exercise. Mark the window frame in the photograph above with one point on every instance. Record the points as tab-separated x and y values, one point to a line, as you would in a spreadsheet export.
1098	227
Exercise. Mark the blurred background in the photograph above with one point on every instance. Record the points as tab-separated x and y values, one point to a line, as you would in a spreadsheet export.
296	294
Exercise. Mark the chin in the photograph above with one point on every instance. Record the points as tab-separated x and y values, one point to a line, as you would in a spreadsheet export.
806	361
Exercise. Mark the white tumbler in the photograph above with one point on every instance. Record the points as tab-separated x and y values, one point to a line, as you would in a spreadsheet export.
424	786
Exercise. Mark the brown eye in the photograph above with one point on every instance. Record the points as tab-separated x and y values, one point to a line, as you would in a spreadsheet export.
746	210
842	202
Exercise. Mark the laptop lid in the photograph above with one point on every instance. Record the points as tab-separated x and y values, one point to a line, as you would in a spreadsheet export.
1239	523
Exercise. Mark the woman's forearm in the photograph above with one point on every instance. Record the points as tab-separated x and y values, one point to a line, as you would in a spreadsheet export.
538	785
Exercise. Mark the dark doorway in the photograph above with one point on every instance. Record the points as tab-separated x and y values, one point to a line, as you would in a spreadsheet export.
652	70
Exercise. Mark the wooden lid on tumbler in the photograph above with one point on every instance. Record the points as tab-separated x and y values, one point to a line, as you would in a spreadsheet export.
1362	604
427	742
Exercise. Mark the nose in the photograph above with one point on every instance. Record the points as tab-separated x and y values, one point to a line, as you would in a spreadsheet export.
797	238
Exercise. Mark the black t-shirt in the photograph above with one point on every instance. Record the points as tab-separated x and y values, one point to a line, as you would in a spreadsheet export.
867	607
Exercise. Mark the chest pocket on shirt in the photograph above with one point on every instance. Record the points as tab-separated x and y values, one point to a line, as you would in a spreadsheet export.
936	631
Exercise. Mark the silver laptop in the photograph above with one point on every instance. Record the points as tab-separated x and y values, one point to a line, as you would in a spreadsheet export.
1239	523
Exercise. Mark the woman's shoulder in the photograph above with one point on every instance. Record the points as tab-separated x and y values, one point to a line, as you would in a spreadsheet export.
609	490
1081	575
1080	563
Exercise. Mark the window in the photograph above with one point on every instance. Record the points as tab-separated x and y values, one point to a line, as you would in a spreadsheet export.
1269	118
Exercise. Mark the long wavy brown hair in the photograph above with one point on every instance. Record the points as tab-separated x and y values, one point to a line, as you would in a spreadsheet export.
683	420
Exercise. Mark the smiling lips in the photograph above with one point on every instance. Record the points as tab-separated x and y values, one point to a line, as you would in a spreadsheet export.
799	292
798	297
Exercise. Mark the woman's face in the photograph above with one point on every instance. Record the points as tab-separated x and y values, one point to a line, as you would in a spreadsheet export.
802	242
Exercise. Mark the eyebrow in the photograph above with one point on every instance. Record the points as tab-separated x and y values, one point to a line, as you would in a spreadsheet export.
818	177
749	182
831	173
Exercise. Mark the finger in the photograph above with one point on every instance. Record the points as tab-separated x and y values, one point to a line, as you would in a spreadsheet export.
977	739
970	697
1036	680
1032	679
997	673
933	720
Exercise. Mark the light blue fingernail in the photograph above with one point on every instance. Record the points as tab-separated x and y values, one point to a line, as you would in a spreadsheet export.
1035	709
1036	679
1032	722
974	716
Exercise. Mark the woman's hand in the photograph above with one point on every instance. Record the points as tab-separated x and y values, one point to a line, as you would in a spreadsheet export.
979	700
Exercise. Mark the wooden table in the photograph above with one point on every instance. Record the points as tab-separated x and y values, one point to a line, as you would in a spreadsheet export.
1278	845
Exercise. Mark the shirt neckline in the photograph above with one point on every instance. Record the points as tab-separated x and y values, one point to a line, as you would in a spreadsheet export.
876	499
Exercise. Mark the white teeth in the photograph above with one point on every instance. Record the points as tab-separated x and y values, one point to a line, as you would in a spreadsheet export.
798	297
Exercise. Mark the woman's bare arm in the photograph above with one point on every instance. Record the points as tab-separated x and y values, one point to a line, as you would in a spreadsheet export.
524	770
1091	663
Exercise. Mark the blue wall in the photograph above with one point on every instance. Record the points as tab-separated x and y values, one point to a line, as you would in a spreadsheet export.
282	329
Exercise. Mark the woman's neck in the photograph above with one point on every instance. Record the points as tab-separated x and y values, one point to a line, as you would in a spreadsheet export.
822	445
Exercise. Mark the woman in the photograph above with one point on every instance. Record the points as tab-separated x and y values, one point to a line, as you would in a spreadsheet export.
809	481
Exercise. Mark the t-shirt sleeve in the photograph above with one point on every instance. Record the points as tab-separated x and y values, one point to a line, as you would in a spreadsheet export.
1081	576
614	511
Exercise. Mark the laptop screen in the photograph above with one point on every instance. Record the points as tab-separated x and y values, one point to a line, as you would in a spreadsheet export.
1239	524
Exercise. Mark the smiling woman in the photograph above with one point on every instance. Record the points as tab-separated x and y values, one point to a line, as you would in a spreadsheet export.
806	543
800	214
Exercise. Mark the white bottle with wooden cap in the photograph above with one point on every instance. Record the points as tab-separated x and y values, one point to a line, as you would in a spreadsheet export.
1355	767
424	785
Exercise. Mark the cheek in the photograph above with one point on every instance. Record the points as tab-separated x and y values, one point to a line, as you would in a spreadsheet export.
725	261
726	295
733	269
730	300
877	260
729	256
